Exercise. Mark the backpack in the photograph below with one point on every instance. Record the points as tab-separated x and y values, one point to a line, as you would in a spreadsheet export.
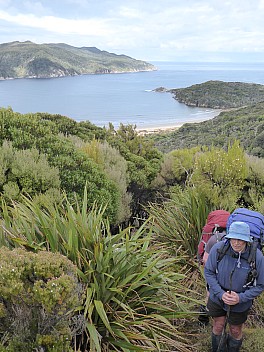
216	221
254	219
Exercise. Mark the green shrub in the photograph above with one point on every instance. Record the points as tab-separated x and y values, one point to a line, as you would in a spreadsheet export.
115	167
38	293
25	172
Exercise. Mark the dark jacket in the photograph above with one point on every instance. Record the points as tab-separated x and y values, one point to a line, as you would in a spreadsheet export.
228	274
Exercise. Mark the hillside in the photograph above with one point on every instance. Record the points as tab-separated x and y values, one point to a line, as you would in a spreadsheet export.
30	60
245	124
219	94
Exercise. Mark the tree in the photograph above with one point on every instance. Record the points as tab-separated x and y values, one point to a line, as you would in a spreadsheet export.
115	168
25	172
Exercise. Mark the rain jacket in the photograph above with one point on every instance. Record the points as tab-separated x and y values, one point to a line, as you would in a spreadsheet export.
231	273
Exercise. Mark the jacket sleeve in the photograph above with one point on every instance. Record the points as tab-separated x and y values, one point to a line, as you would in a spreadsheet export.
210	272
255	291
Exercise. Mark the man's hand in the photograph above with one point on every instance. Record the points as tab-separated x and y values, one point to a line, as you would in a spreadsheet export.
230	298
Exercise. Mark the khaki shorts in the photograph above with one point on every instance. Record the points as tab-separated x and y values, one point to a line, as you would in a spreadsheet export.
234	318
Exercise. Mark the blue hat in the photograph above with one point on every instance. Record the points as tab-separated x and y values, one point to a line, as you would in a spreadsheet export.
240	231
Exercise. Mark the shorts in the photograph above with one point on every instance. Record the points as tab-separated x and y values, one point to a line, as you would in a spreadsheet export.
234	318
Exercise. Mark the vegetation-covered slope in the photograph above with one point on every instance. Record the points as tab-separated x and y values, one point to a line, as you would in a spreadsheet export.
139	287
27	59
219	95
245	124
133	284
44	153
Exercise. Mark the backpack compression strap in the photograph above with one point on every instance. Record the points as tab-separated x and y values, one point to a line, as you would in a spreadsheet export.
252	277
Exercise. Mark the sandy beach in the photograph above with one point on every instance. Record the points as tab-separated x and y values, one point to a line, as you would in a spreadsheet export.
148	130
169	128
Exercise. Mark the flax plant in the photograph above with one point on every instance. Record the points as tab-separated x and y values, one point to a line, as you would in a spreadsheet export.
179	220
130	300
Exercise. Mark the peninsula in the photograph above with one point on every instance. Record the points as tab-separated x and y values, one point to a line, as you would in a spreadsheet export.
30	60
219	94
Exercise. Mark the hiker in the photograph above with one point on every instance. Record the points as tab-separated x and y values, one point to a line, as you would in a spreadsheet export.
232	286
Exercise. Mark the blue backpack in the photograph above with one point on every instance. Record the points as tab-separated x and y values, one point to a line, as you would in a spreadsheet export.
254	219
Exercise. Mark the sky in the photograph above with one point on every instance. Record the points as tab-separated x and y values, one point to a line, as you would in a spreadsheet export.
150	30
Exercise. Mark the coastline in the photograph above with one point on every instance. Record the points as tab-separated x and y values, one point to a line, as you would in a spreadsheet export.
170	128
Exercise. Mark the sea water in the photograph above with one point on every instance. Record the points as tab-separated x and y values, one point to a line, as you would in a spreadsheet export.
126	98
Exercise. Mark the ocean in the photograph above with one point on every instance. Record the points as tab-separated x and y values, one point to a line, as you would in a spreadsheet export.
126	98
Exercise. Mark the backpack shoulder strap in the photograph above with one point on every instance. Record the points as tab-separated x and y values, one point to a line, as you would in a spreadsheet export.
222	250
252	275
252	253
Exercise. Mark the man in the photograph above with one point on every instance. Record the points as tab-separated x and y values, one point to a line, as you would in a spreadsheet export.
230	292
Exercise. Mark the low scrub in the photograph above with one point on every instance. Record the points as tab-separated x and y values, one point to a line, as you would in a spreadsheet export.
38	295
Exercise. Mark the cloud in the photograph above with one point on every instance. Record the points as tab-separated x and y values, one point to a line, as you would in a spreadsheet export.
167	27
93	27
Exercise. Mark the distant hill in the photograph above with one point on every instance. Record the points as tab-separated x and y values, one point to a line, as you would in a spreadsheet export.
218	94
30	60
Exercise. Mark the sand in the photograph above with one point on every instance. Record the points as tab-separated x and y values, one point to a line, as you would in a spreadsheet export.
170	128
148	130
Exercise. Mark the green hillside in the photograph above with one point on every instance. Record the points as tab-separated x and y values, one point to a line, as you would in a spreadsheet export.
219	94
245	124
243	118
30	60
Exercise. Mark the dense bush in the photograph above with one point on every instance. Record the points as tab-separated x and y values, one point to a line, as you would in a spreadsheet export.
132	291
26	172
55	137
115	167
75	169
225	176
38	295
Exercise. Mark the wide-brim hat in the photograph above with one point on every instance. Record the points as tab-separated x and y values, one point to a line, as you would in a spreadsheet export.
240	231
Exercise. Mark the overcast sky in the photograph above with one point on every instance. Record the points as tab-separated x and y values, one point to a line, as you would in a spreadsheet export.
151	30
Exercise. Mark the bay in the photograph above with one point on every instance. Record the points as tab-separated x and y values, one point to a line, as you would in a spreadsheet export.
126	98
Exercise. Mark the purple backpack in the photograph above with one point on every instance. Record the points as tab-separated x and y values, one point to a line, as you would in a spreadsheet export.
254	219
